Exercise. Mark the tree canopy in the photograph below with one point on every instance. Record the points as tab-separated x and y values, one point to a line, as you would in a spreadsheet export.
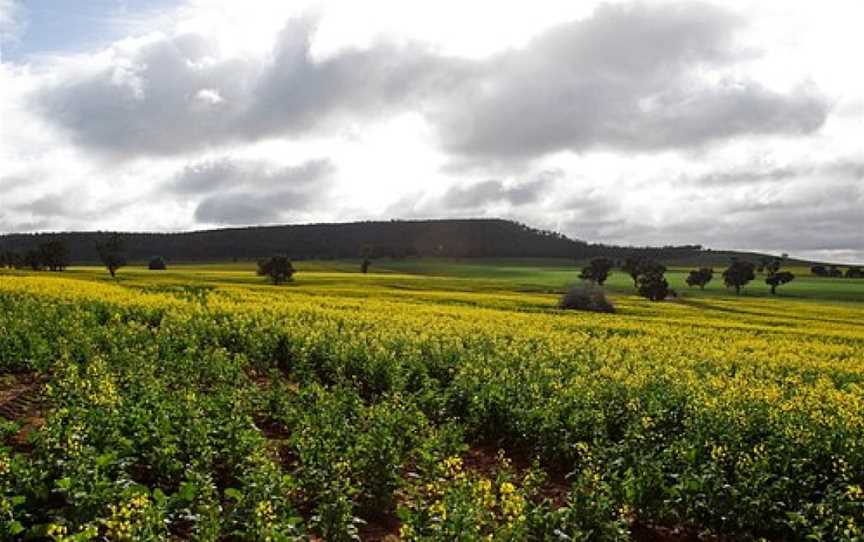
597	270
739	274
778	279
277	268
112	253
700	277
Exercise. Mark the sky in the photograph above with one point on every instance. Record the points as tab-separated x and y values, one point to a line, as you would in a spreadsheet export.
735	125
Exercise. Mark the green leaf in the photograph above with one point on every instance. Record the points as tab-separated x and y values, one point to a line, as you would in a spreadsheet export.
234	493
14	527
187	492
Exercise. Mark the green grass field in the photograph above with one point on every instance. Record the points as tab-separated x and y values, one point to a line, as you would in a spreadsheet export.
489	275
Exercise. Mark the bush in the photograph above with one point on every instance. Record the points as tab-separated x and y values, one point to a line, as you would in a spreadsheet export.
157	264
586	297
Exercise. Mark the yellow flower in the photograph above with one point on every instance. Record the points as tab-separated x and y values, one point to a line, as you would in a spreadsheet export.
57	531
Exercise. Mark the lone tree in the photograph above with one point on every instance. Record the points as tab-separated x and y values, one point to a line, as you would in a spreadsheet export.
597	270
278	268
779	279
652	283
157	264
112	253
738	274
366	251
700	277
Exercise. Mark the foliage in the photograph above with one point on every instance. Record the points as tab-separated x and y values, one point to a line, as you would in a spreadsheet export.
738	274
157	263
633	267
112	253
397	239
597	270
652	283
283	415
586	297
700	277
778	279
277	268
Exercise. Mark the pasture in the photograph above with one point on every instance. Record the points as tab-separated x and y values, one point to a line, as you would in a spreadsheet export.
426	400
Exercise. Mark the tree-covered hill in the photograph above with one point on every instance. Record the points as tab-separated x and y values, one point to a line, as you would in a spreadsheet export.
463	238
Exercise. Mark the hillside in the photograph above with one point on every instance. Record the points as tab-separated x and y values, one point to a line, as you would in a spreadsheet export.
468	238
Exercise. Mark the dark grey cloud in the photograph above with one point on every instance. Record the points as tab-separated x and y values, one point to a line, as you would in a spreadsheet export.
800	217
51	205
253	191
169	96
252	208
625	78
495	191
753	174
165	98
232	174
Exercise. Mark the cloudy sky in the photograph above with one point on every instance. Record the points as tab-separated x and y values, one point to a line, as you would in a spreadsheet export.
736	124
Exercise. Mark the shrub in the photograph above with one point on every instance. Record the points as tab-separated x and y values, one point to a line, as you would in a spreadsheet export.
586	297
157	264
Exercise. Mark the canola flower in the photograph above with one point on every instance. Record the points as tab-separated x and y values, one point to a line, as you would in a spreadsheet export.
750	394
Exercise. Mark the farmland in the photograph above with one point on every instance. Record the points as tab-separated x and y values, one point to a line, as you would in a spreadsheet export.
427	400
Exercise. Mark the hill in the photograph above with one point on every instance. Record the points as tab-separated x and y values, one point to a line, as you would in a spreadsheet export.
464	238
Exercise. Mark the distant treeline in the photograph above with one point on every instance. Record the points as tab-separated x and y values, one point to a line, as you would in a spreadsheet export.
469	238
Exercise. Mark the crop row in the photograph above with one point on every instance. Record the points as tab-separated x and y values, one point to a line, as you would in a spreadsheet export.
257	415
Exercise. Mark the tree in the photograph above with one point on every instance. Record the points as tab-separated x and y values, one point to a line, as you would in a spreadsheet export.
773	265
157	263
366	252
54	255
778	279
10	259
597	270
33	259
738	274
854	272
633	267
278	268
700	277
653	285
112	253
834	271
819	270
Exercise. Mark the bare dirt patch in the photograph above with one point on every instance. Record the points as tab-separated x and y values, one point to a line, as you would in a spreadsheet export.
21	401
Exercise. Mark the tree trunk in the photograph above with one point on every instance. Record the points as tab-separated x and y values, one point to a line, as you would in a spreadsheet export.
773	289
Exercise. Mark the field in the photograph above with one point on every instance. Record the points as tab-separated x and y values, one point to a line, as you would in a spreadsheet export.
427	400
